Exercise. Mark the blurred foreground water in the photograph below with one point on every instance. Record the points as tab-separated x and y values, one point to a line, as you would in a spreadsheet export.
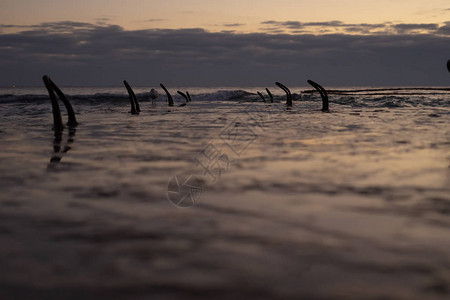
293	204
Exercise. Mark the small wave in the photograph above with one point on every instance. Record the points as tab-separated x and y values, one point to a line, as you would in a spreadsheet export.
389	101
352	101
221	95
391	104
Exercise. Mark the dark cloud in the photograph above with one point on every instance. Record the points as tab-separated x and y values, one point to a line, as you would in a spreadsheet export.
287	24
270	22
77	53
292	24
234	25
321	27
104	19
13	26
64	25
155	20
361	28
445	30
327	24
404	28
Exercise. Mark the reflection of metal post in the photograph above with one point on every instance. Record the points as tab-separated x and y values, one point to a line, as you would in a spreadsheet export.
58	150
57	120
288	93
323	94
448	65
169	96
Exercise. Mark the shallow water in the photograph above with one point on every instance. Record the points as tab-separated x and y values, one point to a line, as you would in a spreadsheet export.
352	204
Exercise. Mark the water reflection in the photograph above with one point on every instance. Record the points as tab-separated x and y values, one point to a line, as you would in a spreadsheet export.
60	147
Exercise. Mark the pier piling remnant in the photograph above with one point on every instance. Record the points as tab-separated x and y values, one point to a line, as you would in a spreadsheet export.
323	94
185	96
52	88
135	109
169	96
262	97
270	95
288	93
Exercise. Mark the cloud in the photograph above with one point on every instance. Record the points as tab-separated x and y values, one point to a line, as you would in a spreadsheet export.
104	19
77	53
155	20
358	28
327	24
403	28
445	30
270	22
53	27
234	25
292	24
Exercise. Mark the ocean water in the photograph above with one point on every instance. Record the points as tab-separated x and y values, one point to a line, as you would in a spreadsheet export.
226	197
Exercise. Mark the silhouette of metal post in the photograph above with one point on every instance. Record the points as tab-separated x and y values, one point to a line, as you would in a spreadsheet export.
183	95
270	95
169	96
57	120
288	93
262	96
323	94
135	109
71	114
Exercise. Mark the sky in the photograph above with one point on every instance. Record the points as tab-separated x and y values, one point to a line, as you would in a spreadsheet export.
225	43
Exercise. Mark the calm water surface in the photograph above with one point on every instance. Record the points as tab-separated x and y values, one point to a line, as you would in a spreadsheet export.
292	204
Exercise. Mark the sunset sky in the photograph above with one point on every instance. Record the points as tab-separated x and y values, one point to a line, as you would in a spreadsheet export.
233	42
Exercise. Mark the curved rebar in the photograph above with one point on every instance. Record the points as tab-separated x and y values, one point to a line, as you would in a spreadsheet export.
262	96
70	112
189	96
169	96
288	93
270	95
57	119
323	94
183	95
135	109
